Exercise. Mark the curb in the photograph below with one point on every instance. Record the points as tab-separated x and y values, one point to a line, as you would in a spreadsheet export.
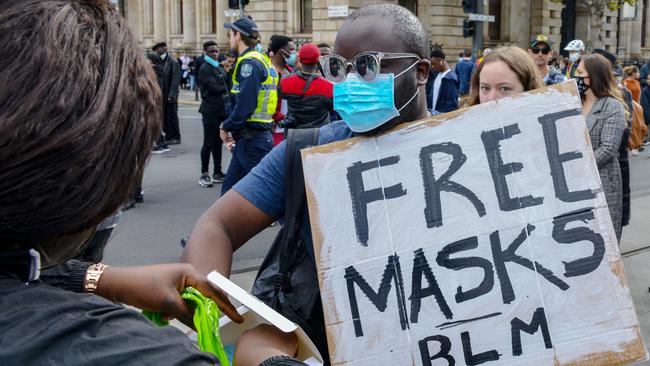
189	103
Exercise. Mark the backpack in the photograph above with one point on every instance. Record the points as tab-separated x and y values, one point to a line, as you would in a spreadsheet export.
287	280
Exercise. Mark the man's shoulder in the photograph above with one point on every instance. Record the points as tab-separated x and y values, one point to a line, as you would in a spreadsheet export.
335	131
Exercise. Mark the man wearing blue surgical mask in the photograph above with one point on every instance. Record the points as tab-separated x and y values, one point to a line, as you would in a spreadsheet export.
380	49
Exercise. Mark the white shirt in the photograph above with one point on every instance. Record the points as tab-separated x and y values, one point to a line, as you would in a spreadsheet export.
436	88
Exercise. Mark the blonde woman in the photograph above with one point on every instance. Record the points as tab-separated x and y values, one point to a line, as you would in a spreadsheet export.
504	72
631	81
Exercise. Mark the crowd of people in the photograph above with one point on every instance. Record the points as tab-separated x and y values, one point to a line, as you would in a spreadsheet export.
57	296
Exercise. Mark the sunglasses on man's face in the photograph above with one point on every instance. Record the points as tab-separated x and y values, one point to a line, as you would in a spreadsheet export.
544	51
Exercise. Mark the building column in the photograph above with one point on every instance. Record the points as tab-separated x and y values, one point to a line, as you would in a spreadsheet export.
189	23
159	21
222	33
634	50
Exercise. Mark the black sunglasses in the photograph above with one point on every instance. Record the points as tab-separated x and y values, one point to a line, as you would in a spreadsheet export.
545	50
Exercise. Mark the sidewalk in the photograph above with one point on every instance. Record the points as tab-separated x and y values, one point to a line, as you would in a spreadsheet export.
188	98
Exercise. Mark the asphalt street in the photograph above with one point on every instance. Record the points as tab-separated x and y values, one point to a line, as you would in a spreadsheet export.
173	201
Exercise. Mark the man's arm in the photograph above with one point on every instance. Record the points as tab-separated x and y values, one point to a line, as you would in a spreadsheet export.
223	228
249	87
176	80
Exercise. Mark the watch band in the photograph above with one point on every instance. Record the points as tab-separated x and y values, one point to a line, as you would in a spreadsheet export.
93	274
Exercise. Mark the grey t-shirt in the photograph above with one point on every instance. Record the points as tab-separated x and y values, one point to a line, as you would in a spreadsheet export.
45	325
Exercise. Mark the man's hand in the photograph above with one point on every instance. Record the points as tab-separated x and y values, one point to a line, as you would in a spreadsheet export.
225	136
158	287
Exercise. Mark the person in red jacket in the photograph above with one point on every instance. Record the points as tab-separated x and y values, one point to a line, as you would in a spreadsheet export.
308	95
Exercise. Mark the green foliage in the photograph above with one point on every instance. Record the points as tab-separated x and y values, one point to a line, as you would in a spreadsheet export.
611	4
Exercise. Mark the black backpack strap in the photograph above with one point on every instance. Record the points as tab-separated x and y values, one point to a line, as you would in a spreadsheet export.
308	84
294	198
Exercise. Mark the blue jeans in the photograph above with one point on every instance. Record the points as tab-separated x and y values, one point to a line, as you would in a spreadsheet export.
248	153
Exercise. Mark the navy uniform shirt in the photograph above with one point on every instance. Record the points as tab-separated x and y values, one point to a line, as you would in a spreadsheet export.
250	75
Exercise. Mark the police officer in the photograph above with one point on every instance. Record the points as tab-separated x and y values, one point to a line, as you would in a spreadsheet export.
255	83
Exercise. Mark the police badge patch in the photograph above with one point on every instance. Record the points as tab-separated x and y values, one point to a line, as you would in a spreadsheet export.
246	70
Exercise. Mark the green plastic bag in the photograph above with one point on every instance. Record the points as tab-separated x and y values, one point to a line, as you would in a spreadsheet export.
206	321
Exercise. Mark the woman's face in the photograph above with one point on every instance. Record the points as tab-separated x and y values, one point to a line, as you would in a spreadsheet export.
497	80
582	72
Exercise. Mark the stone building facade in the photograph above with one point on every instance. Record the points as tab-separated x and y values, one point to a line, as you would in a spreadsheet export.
186	24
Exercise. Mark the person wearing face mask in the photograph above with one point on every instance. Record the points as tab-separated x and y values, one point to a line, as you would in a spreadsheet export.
215	105
254	84
366	70
576	49
504	72
282	53
605	112
171	72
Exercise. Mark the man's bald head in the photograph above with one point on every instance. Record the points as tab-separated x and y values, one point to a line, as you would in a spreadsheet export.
406	26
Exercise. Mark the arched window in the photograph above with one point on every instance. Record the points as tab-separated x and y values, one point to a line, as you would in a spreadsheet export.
306	19
213	13
494	28
411	5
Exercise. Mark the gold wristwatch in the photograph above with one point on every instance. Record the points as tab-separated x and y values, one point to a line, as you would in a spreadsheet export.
93	274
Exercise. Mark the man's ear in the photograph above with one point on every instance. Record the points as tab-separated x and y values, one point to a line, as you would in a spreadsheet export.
422	72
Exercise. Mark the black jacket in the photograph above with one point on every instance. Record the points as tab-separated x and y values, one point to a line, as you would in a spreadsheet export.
309	100
215	91
171	78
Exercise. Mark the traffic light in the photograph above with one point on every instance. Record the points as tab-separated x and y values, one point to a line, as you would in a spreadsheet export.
468	28
470	6
234	4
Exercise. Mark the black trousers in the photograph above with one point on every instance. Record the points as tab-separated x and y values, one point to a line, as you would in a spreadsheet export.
171	127
211	143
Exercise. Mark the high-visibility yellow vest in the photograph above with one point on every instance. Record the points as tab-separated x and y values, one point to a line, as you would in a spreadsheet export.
267	98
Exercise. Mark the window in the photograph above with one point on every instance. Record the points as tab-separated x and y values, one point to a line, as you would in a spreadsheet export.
494	28
213	9
644	19
180	4
306	18
411	5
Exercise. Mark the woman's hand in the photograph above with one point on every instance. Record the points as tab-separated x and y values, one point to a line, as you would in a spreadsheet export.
158	287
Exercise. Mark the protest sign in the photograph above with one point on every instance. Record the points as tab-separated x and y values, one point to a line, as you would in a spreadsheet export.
480	236
255	313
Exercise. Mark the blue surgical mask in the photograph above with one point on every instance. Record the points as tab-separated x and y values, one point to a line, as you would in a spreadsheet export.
211	61
365	105
259	48
291	60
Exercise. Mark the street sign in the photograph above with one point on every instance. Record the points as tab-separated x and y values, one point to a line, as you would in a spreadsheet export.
481	18
232	12
474	236
337	11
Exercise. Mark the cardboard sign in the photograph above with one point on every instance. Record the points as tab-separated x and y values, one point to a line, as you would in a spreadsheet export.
255	313
480	236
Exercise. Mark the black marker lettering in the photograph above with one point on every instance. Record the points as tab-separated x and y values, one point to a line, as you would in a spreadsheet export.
445	347
501	257
433	187
582	266
362	197
538	321
555	159
459	263
421	267
470	358
499	170
393	272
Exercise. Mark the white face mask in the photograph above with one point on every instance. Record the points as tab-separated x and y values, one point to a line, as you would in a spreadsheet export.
163	56
574	56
